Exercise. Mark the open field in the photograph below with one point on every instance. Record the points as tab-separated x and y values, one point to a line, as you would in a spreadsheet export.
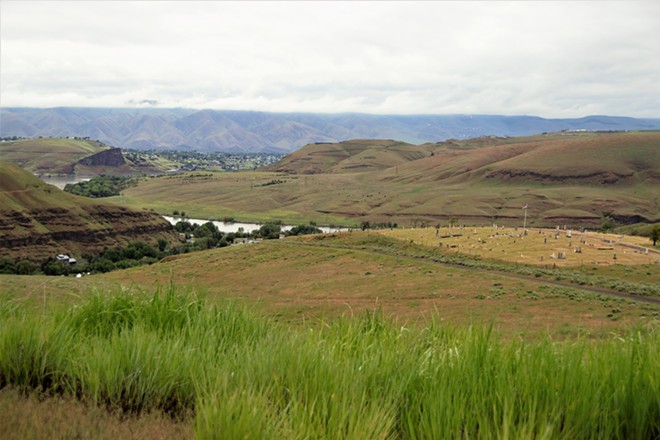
541	247
311	278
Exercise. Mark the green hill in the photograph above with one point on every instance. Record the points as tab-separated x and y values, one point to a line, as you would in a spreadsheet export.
38	220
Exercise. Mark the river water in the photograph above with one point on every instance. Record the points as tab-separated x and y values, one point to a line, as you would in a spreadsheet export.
61	181
247	227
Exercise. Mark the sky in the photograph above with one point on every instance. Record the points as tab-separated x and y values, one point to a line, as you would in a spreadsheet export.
549	59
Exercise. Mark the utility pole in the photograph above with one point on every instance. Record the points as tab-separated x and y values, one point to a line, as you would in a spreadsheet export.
525	220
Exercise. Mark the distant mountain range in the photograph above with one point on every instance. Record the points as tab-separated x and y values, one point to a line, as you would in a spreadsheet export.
247	131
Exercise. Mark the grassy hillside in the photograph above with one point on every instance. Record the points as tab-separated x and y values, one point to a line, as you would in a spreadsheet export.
349	156
555	159
227	372
38	220
49	155
61	156
317	276
354	333
565	180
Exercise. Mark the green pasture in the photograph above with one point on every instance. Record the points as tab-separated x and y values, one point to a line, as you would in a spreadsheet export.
232	373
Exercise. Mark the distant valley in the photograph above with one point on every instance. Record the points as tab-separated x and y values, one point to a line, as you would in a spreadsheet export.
246	131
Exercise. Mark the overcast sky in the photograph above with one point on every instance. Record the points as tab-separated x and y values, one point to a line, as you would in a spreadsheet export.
551	59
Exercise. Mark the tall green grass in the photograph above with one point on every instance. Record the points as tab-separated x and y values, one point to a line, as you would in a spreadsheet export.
241	375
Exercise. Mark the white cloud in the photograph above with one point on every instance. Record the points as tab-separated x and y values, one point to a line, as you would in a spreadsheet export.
553	59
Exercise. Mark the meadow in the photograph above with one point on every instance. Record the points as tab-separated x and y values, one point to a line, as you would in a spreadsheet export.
537	246
224	371
299	279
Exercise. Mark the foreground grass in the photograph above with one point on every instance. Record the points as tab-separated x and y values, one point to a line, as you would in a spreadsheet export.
243	376
63	417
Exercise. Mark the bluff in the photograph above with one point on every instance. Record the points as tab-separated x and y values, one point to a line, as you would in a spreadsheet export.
38	221
108	158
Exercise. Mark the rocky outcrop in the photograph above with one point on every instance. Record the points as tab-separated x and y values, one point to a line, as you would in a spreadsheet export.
108	158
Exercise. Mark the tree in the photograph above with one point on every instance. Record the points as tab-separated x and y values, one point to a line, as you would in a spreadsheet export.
304	229
162	244
607	224
655	234
270	231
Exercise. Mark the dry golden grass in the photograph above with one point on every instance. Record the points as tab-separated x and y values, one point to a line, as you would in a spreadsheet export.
539	247
32	417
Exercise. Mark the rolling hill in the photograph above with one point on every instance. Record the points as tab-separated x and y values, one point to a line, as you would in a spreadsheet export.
578	179
63	156
38	220
246	131
560	158
349	156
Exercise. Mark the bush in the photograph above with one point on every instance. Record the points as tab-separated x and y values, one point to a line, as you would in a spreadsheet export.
26	267
55	268
102	265
7	266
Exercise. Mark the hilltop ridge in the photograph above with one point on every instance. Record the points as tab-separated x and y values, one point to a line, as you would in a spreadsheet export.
66	156
251	131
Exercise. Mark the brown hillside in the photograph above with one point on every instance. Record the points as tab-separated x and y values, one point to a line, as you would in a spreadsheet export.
559	158
63	156
350	156
38	220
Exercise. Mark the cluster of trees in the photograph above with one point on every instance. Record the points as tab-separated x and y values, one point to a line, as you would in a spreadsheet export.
133	254
20	267
208	236
373	225
101	186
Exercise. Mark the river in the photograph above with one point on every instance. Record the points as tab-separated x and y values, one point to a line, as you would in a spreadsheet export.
247	227
61	181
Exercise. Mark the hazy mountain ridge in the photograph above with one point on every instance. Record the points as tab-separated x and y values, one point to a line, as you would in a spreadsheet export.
236	131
